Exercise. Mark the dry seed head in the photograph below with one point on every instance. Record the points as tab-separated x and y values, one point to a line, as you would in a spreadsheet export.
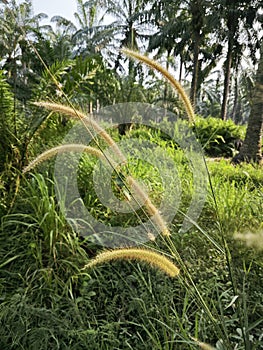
150	207
202	345
251	239
62	149
88	123
174	83
144	255
151	236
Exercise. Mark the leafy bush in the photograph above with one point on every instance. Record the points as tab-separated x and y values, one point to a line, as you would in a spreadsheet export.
217	136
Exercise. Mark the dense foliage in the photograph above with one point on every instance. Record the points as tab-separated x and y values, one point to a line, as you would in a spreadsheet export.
199	30
218	137
48	298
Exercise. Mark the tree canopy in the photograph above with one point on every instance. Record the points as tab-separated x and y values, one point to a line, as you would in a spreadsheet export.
211	46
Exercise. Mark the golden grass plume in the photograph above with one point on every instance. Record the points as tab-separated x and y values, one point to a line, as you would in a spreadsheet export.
62	149
203	345
174	83
254	240
150	207
145	255
88	122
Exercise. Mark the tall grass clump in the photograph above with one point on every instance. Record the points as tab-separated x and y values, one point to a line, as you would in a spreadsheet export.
40	268
59	291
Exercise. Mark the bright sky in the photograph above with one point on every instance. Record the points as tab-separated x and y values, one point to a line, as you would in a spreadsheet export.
64	8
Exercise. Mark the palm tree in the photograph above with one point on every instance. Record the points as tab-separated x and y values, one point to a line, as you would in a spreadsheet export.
92	36
87	37
185	30
197	10
18	27
127	30
238	17
251	150
171	37
86	13
60	38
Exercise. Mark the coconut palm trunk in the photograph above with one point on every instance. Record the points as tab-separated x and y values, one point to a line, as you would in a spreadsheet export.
251	150
194	82
197	12
227	79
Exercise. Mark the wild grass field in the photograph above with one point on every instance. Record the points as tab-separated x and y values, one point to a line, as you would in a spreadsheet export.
148	233
51	299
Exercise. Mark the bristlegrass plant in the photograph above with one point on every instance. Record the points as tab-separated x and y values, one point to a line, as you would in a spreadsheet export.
233	280
65	148
90	125
57	264
174	83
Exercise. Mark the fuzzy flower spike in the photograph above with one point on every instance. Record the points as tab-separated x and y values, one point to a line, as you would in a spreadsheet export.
174	83
145	255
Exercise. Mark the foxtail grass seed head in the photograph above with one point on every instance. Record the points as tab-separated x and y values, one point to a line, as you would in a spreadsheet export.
145	255
153	212
151	236
174	83
88	122
62	149
156	217
202	345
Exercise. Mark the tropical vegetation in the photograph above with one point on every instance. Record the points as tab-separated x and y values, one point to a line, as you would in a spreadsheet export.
188	274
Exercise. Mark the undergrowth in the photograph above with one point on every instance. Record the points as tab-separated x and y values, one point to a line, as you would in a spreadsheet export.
46	295
54	296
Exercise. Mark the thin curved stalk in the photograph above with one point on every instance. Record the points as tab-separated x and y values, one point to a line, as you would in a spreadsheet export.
76	114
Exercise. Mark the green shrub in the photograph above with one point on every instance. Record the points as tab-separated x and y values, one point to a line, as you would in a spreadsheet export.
217	136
